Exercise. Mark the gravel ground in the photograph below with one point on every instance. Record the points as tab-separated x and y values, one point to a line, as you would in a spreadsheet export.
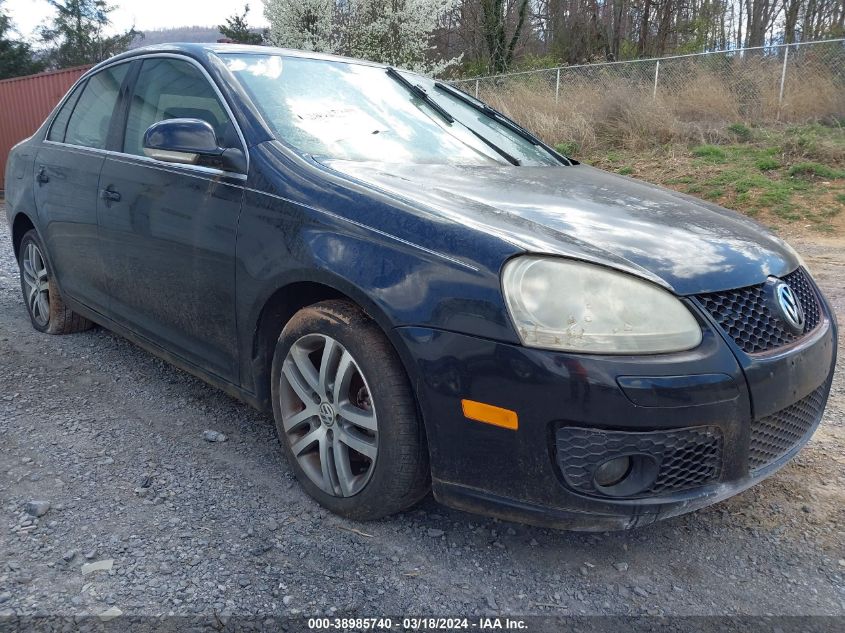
114	441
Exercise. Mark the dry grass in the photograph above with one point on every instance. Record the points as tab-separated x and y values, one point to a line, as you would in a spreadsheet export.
813	96
703	98
717	131
693	106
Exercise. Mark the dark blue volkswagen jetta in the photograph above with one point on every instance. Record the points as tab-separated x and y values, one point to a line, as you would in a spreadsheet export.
425	295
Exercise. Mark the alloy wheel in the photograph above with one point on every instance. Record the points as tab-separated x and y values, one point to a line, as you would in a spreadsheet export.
36	284
328	416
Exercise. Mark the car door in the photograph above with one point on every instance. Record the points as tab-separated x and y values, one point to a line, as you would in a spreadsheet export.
67	173
169	230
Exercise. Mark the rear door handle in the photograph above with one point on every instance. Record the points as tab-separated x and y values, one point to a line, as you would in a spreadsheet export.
42	176
109	196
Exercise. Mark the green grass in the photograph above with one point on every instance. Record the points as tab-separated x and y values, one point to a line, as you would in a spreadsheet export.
749	183
779	175
741	131
787	212
767	163
567	148
710	153
611	156
626	171
815	170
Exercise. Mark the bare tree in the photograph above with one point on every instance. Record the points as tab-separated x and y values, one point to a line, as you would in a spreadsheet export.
500	43
497	35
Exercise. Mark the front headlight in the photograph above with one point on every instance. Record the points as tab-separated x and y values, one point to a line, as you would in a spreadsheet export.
574	306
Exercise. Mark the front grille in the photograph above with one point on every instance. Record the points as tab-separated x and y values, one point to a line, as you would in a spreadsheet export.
745	315
801	286
775	435
686	458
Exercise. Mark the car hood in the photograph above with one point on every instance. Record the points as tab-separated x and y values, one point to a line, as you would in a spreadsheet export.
683	243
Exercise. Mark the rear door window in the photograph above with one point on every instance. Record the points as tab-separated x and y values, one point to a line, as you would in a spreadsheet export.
59	126
88	126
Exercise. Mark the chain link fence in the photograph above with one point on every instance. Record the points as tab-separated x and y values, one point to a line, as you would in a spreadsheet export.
674	95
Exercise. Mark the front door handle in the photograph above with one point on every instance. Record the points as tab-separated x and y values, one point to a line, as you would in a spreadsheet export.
109	195
42	176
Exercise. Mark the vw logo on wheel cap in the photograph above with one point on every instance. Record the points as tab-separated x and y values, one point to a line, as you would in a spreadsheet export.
789	307
327	414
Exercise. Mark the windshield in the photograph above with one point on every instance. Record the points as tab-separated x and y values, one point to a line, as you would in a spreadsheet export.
460	106
352	111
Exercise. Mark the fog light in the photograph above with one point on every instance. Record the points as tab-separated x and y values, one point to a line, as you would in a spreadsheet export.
612	471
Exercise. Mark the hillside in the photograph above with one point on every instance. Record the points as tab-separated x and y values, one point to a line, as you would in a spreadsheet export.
199	34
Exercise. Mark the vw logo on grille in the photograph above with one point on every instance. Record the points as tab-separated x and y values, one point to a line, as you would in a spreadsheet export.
790	308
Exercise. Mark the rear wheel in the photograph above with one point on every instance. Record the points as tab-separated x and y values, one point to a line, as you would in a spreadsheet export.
346	415
47	312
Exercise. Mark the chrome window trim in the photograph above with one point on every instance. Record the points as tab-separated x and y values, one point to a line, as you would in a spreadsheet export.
218	92
152	162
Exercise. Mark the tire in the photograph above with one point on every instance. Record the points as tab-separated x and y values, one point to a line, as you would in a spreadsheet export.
370	404
47	311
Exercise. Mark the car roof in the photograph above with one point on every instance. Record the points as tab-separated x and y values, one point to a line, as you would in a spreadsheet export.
202	50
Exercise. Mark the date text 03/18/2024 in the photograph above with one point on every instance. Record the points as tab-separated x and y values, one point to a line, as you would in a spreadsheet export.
486	623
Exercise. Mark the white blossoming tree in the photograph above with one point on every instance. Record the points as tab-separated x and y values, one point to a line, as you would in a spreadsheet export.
304	24
396	32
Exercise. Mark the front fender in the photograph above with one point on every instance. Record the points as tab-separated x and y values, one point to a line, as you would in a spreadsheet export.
282	242
400	283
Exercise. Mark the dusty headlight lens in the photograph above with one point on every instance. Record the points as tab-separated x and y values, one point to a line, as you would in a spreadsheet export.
574	306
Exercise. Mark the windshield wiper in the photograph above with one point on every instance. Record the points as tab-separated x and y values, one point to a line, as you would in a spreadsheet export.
421	93
503	120
513	160
490	112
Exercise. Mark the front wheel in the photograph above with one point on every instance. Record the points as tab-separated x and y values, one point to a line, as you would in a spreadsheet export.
346	415
47	311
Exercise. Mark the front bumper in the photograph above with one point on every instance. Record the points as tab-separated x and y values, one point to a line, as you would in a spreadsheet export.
522	475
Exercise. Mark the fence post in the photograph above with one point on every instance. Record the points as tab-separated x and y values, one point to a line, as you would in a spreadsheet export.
783	79
656	75
476	88
557	86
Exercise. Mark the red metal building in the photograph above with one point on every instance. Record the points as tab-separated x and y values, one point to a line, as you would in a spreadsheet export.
26	101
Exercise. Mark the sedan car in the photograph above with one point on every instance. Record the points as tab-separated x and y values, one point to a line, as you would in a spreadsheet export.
425	295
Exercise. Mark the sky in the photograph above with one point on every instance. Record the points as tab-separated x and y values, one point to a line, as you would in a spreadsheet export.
27	15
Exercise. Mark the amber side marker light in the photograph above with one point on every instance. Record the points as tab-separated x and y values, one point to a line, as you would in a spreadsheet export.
489	414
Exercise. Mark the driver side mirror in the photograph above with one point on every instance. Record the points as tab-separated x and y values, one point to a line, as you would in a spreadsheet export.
186	141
